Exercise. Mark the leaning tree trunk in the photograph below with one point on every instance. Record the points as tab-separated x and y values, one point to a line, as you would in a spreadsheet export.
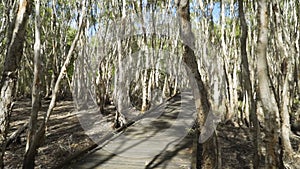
265	92
69	56
38	135
16	38
32	139
209	157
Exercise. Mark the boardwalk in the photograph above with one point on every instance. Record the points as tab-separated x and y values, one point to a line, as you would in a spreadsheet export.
158	140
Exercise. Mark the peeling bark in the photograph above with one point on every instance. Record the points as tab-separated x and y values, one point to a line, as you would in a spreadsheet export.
209	158
32	144
16	38
265	92
247	84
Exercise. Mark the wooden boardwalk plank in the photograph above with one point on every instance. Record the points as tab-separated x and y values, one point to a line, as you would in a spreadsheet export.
156	141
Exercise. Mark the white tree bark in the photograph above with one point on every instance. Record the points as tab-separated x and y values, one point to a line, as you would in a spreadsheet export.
32	140
266	96
16	38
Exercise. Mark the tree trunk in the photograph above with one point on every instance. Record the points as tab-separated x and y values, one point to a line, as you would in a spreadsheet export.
247	84
101	88
144	90
38	136
120	80
285	77
209	158
63	70
31	146
16	38
288	153
265	92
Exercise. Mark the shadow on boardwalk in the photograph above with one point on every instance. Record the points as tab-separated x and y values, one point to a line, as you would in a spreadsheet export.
159	139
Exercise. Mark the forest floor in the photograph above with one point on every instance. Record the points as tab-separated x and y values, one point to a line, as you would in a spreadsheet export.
65	137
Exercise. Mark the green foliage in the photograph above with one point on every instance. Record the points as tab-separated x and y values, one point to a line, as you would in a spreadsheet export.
297	101
70	68
71	33
134	46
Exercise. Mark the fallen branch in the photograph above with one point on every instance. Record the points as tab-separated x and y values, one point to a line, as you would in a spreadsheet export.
16	134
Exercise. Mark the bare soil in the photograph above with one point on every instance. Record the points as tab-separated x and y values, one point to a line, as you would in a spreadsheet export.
64	135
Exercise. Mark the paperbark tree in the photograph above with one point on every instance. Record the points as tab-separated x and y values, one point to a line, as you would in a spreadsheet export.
32	139
120	82
284	83
265	92
247	84
209	157
69	55
16	38
36	134
100	89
